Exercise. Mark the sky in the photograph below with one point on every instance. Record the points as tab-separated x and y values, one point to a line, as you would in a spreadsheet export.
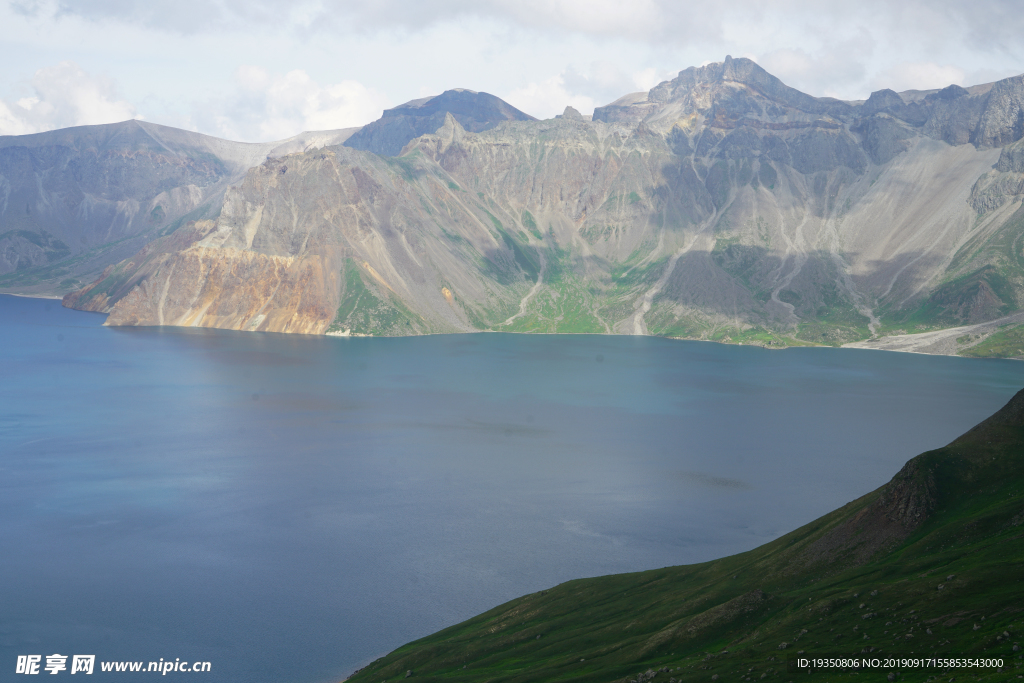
262	70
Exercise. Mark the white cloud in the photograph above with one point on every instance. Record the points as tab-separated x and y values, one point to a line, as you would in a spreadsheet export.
266	106
787	63
11	123
262	107
65	95
827	70
638	19
323	63
252	78
548	98
986	24
919	76
601	83
645	79
603	17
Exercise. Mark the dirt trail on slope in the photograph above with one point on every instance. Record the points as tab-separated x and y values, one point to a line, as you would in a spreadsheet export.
797	250
638	325
529	295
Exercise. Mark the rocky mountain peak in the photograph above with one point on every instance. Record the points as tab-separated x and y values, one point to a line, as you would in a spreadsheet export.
732	90
949	93
450	133
475	111
886	101
571	114
737	93
742	70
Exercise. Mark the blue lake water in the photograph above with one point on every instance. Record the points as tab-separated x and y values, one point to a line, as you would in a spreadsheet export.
290	508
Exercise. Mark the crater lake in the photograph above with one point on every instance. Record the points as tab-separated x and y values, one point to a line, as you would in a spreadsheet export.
292	507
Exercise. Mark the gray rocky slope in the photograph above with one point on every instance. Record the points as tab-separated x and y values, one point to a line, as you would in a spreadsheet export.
722	204
73	201
475	112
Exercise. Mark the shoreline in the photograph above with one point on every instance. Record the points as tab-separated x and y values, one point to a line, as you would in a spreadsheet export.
944	342
34	296
932	343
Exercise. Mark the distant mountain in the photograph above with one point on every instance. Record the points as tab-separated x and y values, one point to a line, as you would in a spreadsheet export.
475	112
722	205
927	566
78	199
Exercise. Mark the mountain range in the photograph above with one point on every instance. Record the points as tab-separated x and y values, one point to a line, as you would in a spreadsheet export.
719	205
76	200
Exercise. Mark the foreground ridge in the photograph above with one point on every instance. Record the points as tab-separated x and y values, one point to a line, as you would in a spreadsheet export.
928	565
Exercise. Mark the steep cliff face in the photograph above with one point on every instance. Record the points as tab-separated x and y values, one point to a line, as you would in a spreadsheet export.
722	204
339	240
73	201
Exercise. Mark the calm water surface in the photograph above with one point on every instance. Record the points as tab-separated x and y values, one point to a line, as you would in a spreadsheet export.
289	508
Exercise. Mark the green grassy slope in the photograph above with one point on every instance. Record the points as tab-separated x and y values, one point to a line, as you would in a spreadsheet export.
929	565
1006	343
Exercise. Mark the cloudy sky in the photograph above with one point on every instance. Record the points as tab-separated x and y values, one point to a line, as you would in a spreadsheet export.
260	70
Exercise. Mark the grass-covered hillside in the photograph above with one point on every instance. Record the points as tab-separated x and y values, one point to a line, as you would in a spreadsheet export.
929	565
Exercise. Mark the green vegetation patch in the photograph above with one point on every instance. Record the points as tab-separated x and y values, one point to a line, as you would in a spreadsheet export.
663	322
199	213
745	263
524	256
565	304
982	295
454	237
1007	343
530	224
1001	248
989	284
767	175
408	167
365	309
832	331
835	321
625	276
565	307
53	248
115	282
594	233
698	329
